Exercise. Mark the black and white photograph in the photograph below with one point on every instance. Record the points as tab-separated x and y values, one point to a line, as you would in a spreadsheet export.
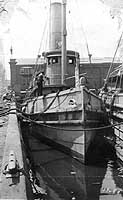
61	99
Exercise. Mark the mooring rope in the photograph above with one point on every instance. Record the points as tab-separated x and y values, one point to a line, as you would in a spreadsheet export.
62	129
27	117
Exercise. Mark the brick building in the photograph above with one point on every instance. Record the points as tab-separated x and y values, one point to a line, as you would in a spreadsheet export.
22	71
96	71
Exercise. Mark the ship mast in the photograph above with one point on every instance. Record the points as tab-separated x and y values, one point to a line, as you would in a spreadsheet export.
64	34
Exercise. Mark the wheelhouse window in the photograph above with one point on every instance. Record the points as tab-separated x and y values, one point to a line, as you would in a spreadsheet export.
71	60
52	60
55	60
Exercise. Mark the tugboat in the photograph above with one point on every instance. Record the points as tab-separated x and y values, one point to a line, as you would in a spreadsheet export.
63	113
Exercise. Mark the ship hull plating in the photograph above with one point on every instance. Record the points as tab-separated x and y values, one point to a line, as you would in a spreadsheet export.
74	142
70	122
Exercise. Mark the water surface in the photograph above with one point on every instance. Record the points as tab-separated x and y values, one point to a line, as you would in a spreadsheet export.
63	177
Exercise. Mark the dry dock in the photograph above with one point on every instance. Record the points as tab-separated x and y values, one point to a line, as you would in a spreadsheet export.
61	176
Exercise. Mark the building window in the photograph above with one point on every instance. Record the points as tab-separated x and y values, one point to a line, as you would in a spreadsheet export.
26	71
21	70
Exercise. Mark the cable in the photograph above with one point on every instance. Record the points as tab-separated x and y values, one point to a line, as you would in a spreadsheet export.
24	115
110	68
86	41
38	55
62	129
50	104
59	103
39	49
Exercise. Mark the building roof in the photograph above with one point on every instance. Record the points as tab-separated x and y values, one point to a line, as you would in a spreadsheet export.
100	60
29	61
32	61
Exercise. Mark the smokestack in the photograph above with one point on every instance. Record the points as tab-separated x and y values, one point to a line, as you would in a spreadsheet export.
55	26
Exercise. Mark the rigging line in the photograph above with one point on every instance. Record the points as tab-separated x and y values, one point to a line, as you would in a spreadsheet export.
72	29
53	101
59	103
86	41
111	66
46	39
50	104
57	106
40	46
62	100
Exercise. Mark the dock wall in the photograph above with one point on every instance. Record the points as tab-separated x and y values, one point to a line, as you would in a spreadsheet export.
13	187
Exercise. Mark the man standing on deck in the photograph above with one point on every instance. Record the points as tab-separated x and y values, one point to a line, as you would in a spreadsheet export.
40	80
